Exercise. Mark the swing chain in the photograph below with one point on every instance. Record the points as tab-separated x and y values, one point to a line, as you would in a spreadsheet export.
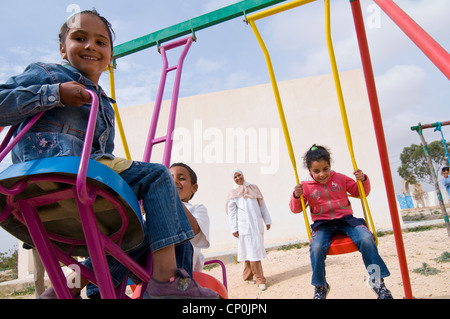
439	128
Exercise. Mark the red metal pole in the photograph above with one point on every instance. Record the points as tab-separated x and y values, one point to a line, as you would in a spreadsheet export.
433	50
381	141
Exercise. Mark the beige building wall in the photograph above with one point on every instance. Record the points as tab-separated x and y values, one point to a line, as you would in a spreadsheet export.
218	132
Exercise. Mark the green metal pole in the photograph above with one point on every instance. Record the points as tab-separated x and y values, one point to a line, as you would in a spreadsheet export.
191	26
434	178
424	126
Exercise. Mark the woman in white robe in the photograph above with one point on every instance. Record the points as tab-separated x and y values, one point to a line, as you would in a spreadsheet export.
248	217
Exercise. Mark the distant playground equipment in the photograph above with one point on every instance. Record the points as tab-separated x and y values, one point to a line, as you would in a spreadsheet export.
419	129
43	189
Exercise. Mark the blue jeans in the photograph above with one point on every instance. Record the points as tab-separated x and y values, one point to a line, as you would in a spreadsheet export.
183	252
166	220
360	235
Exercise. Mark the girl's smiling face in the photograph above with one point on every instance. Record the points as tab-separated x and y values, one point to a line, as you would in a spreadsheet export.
320	171
88	48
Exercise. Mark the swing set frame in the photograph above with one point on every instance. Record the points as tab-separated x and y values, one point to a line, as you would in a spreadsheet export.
436	53
428	45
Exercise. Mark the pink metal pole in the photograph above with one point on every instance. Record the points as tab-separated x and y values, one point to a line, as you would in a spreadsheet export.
156	111
68	260
43	246
5	147
96	250
381	141
126	260
173	109
433	50
151	141
85	155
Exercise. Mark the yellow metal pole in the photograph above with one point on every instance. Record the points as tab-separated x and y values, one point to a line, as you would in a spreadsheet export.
282	115
116	111
344	113
278	9
277	98
251	20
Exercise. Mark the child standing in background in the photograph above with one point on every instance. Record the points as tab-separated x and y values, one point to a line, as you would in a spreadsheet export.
331	213
446	180
186	183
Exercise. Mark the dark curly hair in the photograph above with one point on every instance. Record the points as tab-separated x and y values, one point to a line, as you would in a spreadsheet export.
65	27
316	153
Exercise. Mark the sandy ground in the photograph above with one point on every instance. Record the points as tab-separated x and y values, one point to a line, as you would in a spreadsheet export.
288	273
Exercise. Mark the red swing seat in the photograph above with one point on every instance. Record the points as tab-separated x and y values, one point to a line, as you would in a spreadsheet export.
203	279
208	281
341	244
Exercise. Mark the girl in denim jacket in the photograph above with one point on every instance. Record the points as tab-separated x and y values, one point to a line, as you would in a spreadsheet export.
331	213
60	90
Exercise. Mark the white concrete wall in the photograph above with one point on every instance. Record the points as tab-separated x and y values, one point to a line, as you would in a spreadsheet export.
431	198
210	138
25	264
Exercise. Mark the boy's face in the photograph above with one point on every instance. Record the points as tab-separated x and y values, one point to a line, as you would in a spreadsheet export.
183	183
445	174
88	48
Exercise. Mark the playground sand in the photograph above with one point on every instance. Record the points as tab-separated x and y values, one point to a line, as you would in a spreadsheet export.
288	272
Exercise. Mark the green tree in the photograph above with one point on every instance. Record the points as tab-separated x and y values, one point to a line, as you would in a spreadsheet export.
414	167
9	260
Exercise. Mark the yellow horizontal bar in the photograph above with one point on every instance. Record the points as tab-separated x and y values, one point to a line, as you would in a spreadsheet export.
281	8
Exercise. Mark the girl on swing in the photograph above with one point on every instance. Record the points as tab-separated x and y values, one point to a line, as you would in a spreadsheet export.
331	213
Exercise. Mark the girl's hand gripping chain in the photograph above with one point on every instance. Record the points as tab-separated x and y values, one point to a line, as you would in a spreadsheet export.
359	175
298	191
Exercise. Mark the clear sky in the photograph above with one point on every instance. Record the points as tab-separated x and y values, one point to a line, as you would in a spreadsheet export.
411	89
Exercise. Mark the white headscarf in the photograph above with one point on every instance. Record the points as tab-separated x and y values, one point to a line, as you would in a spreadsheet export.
247	190
232	176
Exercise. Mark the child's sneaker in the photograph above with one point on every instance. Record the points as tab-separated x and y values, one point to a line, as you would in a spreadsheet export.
51	294
179	287
380	289
322	292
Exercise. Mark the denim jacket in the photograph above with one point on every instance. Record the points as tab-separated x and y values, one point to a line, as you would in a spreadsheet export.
61	130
